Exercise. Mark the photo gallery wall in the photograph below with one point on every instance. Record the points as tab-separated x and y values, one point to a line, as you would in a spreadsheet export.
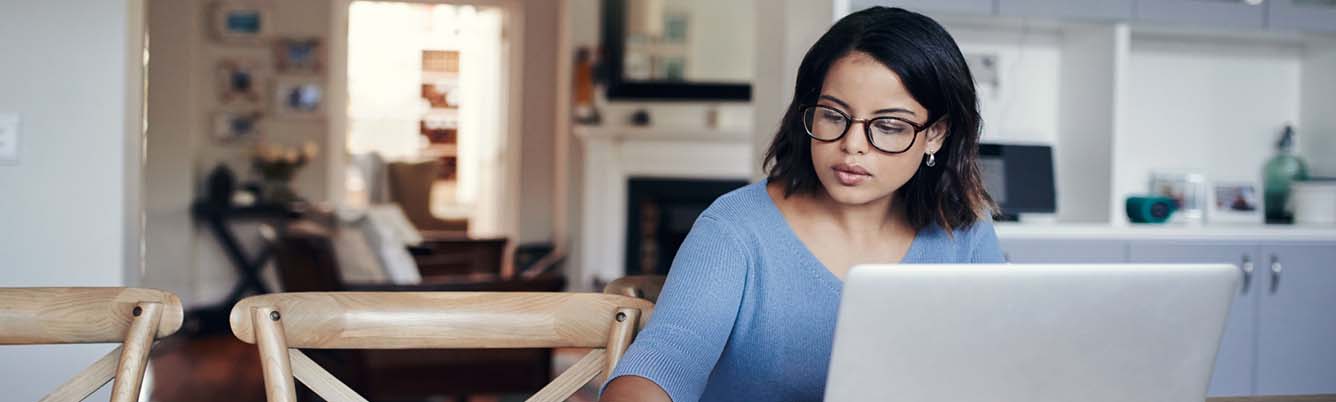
280	77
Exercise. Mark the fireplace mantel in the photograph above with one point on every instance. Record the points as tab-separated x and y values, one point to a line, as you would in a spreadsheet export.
612	155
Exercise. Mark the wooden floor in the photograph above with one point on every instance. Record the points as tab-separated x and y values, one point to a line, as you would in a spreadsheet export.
221	368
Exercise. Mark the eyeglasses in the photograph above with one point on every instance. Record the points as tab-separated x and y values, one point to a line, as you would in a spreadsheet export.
887	134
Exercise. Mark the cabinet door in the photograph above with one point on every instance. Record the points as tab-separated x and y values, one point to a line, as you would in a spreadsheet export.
931	7
1235	362
1296	339
1115	10
1229	14
1054	251
1301	15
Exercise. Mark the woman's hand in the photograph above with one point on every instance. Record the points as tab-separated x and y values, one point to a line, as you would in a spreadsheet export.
631	388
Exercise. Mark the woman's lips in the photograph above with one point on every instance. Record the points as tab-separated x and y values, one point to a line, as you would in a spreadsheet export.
851	175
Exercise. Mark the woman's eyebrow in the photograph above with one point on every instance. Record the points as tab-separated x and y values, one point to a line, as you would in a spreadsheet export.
846	106
837	101
894	110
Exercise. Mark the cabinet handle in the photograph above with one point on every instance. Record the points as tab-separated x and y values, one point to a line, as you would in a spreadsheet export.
1247	268
1276	269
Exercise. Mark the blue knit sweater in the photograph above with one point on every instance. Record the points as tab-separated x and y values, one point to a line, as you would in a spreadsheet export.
748	313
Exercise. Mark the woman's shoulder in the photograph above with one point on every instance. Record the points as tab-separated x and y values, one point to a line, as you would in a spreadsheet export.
745	204
975	242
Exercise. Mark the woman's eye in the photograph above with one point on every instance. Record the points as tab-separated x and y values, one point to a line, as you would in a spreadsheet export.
890	127
831	116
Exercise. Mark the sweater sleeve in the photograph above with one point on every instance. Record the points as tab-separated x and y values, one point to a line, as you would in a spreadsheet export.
694	315
985	248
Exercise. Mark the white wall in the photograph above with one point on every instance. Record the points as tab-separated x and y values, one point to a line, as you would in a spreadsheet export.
1209	106
790	28
1317	129
537	164
183	100
64	206
1023	107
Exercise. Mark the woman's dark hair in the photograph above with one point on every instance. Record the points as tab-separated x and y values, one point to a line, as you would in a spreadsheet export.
931	67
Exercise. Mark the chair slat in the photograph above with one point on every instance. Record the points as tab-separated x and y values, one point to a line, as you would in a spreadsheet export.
572	379
31	316
87	381
321	381
425	320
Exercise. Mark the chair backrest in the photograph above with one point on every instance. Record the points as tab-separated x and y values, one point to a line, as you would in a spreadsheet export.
280	323
129	316
640	286
305	258
410	187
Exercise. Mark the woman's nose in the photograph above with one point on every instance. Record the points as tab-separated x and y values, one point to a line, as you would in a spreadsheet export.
855	141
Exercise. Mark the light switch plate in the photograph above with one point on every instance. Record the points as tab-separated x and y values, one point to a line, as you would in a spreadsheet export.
9	139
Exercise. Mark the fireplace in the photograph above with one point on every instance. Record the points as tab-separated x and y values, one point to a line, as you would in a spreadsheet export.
681	170
660	213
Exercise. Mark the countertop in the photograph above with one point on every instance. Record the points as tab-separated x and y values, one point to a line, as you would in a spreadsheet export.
1250	232
1296	398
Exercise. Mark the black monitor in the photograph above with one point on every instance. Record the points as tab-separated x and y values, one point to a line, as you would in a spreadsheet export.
1019	178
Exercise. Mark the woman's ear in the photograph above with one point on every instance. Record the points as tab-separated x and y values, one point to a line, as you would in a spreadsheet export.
936	135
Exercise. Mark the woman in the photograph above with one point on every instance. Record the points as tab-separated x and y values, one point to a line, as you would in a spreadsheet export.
874	162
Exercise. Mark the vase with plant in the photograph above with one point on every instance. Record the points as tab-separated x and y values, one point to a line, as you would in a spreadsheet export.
277	164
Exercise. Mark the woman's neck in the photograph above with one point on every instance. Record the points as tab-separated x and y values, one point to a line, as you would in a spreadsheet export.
870	221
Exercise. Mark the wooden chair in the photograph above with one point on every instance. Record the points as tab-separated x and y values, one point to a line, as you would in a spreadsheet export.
639	286
281	323
306	260
132	317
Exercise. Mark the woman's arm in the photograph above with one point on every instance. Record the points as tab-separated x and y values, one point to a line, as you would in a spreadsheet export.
632	388
675	354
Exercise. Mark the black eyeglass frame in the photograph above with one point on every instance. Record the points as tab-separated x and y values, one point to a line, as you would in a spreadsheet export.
867	127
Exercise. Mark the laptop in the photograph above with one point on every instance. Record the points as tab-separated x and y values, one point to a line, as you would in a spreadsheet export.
1033	333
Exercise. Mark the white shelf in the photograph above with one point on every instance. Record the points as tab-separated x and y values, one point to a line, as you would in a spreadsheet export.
1249	232
1119	101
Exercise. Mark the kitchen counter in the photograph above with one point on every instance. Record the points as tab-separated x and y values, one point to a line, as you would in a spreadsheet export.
1296	398
1009	230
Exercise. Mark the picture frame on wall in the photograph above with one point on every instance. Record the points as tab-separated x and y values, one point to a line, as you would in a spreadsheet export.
241	83
299	97
240	22
299	55
1235	202
1188	190
236	126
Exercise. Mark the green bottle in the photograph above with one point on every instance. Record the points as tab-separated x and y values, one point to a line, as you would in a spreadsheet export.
1281	170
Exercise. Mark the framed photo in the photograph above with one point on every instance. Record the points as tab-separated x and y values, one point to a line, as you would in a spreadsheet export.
299	97
240	82
1188	190
1235	202
232	126
240	22
299	55
441	94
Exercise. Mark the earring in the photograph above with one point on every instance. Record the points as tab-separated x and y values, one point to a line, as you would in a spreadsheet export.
932	160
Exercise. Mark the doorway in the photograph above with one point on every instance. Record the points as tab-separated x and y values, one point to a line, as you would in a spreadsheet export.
428	83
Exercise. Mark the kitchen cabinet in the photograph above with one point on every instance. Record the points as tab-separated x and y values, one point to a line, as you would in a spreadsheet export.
1112	10
1075	251
932	7
1222	14
1296	338
1235	362
1301	15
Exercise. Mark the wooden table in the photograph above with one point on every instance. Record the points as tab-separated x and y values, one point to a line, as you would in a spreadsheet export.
1294	398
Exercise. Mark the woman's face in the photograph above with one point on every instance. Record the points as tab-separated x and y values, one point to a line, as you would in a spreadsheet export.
853	171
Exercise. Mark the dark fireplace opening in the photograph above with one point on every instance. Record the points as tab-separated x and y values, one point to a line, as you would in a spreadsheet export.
660	213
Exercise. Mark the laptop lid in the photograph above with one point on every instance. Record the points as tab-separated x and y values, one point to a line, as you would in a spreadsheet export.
1035	333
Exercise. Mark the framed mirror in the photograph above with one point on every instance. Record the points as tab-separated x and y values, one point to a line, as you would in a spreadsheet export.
679	49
